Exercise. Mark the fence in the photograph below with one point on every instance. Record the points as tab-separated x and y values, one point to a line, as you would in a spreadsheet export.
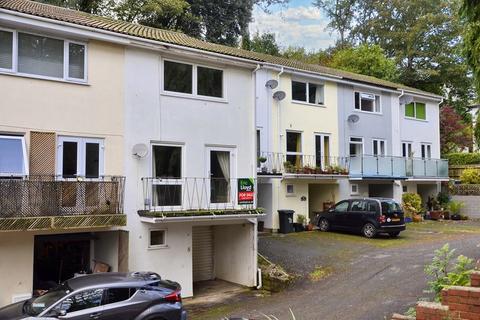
455	171
183	194
44	196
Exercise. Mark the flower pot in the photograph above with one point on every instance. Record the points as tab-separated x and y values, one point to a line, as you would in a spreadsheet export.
436	215
456	217
309	227
446	215
408	219
298	227
417	218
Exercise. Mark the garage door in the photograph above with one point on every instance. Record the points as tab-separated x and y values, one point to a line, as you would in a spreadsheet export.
202	253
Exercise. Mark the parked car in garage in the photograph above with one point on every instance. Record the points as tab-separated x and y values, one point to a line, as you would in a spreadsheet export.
370	216
104	296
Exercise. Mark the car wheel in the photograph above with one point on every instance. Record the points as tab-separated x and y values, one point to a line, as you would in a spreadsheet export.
394	234
324	225
369	230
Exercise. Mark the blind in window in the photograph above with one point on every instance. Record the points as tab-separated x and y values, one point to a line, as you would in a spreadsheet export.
76	58
6	48
40	55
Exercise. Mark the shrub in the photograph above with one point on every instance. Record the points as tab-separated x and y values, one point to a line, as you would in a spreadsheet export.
463	158
412	204
445	272
455	206
443	198
470	176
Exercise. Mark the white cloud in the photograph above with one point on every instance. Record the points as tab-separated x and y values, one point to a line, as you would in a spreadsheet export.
298	26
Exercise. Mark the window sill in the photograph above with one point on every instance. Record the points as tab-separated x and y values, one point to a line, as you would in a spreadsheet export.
39	77
193	97
369	112
415	119
308	104
159	247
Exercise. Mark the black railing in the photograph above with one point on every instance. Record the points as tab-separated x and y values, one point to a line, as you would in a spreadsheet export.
45	196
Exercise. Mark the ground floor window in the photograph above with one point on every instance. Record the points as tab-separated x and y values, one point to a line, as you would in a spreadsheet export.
13	156
167	174
158	239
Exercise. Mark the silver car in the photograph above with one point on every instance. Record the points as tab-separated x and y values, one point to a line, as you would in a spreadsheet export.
104	296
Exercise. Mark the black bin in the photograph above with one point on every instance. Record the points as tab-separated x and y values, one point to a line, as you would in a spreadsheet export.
286	220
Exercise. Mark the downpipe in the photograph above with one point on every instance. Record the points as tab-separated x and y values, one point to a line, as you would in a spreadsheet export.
259	279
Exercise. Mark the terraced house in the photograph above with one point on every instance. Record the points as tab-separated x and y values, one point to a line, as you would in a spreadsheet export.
125	147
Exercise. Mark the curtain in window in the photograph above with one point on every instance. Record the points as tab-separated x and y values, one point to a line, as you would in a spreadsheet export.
224	162
6	47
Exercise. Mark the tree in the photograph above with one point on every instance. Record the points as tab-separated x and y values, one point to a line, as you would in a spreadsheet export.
340	13
476	131
455	135
263	43
365	59
470	12
89	6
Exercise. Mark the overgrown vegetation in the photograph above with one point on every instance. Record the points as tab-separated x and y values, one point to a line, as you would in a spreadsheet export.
470	176
462	158
412	204
445	271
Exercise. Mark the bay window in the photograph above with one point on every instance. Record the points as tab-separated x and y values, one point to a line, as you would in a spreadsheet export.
30	54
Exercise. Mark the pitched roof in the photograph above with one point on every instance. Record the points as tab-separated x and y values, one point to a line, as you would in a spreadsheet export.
177	38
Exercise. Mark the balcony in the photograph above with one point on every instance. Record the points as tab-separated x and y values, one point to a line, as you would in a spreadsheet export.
50	202
271	163
198	198
397	167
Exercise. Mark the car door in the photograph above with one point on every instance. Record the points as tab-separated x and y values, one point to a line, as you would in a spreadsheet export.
355	217
339	214
82	305
124	303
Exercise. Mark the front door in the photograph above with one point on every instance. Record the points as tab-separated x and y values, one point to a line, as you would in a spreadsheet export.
221	180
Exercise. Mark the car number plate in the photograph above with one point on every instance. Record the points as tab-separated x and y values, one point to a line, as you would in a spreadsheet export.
395	219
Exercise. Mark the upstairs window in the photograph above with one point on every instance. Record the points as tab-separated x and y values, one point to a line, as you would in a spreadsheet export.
379	147
308	92
416	110
192	79
426	150
37	55
367	102
13	159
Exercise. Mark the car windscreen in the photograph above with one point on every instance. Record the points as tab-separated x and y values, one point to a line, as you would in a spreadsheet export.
35	306
390	206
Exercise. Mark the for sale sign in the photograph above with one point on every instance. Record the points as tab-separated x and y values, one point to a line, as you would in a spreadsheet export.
246	192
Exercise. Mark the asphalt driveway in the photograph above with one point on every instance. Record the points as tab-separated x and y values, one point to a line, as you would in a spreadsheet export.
343	276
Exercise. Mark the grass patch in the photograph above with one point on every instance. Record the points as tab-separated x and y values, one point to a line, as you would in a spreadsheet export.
320	273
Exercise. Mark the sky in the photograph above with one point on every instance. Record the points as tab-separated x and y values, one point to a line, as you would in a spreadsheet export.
297	24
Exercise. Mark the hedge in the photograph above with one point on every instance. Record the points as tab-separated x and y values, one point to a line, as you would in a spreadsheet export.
463	158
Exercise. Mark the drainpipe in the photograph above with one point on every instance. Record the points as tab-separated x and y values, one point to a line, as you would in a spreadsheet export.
279	118
254	83
259	279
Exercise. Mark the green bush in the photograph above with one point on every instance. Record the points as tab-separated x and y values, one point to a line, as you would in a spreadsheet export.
412	204
463	158
455	207
446	272
470	176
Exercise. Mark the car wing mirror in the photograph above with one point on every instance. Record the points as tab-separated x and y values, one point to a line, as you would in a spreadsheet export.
331	209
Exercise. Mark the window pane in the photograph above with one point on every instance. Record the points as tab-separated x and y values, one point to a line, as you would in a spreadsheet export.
409	110
40	55
11	156
167	162
69	157
209	82
375	147
326	150
299	91
6	47
315	93
420	111
177	77
76	59
157	237
294	142
377	104
167	195
83	300
342	206
357	100
119	294
358	205
367	105
318	151
92	160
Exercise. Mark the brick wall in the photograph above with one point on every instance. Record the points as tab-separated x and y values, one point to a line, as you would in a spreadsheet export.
458	303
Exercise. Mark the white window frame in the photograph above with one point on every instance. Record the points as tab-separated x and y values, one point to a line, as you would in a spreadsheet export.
233	177
66	46
322	148
81	155
25	158
415	111
354	189
290	194
427	148
307	93
194	94
380	109
407	143
291	153
379	142
356	142
158	246
166	181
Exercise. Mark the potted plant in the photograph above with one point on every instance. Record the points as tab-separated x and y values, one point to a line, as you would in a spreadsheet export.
299	225
262	161
412	206
289	167
455	207
436	212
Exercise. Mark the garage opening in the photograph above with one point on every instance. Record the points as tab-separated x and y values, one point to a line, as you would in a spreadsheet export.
59	257
380	190
202	253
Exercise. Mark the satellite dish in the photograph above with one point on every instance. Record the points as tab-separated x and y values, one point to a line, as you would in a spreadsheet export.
279	95
353	118
140	150
271	84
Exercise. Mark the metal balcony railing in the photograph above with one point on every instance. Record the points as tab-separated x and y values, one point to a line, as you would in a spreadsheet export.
279	163
198	194
390	166
52	196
